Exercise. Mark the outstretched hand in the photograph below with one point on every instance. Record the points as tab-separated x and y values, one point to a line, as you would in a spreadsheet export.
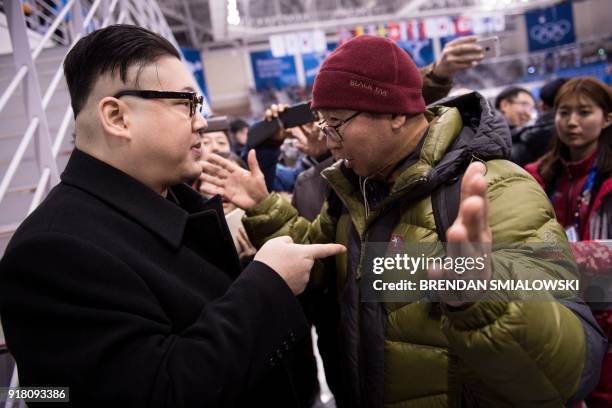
457	55
310	139
271	114
470	235
243	188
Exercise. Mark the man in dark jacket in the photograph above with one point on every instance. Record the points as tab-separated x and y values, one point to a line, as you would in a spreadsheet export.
124	285
531	142
517	105
238	130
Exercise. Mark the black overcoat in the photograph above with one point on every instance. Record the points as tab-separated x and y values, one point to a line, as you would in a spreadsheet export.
133	299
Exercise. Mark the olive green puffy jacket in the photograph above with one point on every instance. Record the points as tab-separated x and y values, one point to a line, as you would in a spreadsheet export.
492	354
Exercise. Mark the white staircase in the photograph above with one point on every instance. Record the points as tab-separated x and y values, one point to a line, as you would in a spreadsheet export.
36	124
13	124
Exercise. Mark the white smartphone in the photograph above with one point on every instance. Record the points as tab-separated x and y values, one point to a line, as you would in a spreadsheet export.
234	222
490	46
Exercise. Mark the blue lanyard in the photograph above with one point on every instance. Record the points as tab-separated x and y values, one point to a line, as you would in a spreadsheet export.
586	190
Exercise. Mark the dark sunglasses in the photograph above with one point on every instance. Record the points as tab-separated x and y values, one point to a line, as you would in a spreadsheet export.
192	97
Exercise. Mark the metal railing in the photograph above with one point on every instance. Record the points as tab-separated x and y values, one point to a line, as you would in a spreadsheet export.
59	24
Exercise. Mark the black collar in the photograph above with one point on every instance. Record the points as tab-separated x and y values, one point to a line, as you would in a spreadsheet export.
166	218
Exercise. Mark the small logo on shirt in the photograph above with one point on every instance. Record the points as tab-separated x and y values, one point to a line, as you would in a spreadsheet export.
396	241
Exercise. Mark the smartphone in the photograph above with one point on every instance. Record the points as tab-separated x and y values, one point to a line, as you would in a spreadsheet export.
217	124
490	46
293	116
297	115
261	131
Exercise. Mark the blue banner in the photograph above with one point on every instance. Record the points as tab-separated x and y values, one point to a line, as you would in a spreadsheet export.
550	27
271	72
421	51
313	61
193	59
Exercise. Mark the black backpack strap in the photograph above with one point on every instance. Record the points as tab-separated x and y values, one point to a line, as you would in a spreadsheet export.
334	204
445	202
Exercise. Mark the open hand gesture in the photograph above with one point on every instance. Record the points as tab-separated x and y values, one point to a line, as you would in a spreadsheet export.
470	235
243	188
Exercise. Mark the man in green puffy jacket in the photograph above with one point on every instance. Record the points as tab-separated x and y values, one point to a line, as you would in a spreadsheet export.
392	156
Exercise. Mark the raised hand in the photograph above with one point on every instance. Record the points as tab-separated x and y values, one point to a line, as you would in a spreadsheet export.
310	139
243	188
470	235
272	113
457	55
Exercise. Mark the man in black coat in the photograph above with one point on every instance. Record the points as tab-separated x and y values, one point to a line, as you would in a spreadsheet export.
124	285
531	142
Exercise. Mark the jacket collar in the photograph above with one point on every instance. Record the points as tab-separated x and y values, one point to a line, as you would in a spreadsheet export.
580	167
165	217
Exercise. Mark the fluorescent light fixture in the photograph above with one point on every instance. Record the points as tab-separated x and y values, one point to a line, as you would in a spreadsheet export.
233	15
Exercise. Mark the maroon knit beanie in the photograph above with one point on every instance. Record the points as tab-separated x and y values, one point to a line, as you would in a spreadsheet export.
369	74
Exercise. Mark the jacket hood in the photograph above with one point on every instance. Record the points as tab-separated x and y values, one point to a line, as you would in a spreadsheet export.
483	134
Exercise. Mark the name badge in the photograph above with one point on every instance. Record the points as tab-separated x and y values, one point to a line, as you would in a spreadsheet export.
572	234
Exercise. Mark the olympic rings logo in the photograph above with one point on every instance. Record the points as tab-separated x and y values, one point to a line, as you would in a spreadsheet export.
545	33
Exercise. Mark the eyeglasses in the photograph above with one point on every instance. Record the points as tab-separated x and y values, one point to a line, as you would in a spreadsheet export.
333	132
524	104
192	97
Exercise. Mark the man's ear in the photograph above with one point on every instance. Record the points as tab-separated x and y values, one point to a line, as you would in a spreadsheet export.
397	121
114	117
503	105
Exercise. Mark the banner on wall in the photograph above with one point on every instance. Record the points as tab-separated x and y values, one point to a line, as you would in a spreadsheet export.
421	51
273	72
550	27
193	58
428	28
276	68
313	61
304	42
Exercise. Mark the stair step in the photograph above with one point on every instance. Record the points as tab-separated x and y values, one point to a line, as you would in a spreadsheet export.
27	174
8	149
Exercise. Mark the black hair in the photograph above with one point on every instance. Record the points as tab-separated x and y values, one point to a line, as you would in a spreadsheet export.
548	92
111	49
236	125
509	94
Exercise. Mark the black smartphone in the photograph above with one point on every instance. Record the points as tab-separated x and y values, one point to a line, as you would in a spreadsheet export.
293	116
261	131
297	115
217	124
